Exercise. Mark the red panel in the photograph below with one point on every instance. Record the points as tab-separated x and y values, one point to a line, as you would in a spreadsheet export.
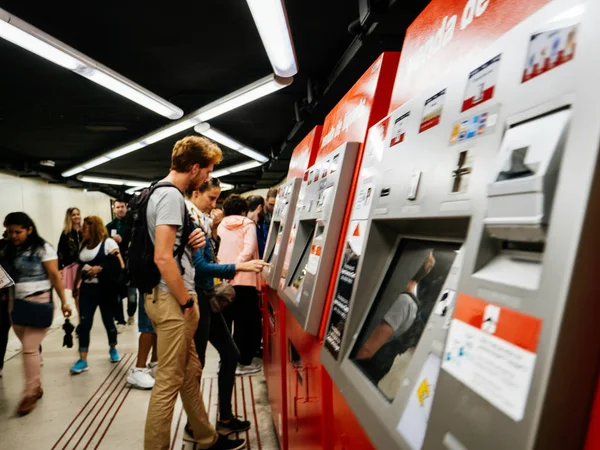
304	390
379	108
448	30
346	429
275	355
305	153
593	434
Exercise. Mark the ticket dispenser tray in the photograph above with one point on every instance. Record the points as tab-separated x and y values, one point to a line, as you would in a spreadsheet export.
279	230
318	226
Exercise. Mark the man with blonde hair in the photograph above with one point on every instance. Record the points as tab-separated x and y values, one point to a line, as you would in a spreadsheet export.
172	305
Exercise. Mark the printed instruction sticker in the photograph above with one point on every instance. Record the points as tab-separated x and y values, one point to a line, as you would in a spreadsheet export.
492	350
481	84
432	113
399	131
341	303
414	420
548	50
313	260
475	126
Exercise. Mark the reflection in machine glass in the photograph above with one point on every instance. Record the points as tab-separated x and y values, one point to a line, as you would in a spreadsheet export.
300	270
400	311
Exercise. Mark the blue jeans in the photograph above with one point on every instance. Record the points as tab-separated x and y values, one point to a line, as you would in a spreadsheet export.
91	297
132	299
144	324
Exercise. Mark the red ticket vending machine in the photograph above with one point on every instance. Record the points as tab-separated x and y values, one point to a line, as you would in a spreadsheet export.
274	338
309	390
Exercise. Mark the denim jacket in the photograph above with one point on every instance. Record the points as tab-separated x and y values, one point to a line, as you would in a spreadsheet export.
207	270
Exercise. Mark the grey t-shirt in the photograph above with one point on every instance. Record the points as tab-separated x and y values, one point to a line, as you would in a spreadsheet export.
401	314
166	206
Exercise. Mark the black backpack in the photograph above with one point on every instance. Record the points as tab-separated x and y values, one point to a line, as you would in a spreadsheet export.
382	361
143	272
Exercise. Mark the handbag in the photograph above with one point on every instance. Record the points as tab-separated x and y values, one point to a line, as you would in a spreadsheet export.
32	314
223	295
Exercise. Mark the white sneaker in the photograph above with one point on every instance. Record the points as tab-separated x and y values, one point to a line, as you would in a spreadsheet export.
152	369
140	378
247	370
120	328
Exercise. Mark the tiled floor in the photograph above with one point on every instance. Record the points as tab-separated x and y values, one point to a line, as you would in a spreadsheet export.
96	410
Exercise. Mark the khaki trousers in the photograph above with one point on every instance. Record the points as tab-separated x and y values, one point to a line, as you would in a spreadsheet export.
179	371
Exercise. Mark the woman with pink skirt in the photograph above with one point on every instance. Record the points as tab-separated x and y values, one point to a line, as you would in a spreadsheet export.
68	247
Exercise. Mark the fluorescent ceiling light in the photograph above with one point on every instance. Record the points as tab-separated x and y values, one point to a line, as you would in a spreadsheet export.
114	181
271	21
229	142
227	187
243	96
36	41
260	88
237	168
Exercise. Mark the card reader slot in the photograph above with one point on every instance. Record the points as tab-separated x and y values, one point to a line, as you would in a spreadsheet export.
300	269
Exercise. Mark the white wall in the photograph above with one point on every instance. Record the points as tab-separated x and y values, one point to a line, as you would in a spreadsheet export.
47	203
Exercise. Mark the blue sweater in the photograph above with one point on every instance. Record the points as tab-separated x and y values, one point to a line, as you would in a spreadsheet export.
207	270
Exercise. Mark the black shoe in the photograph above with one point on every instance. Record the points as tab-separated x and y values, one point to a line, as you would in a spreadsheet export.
228	444
233	426
222	442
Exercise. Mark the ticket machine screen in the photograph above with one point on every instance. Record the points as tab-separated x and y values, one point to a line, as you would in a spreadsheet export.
397	319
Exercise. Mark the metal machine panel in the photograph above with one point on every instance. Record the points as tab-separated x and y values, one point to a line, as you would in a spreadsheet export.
279	231
317	224
441	180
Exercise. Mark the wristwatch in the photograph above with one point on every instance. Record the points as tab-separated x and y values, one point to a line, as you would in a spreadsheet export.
187	304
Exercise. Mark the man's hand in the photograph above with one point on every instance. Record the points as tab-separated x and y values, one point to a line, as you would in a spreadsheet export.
188	311
117	238
197	239
94	271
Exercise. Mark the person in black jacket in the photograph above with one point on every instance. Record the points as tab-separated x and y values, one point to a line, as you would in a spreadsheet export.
68	247
120	231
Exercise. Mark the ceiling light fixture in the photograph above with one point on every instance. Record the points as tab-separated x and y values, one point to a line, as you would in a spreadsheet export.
227	187
229	142
36	41
237	168
114	181
247	94
271	20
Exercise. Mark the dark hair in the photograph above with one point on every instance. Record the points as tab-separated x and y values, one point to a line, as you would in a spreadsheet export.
209	184
235	205
254	201
272	193
34	240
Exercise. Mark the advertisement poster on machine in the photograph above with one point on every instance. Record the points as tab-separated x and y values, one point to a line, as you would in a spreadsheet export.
432	112
481	84
492	350
446	32
549	50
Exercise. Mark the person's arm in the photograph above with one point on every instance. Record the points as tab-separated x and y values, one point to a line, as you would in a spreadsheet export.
51	268
165	261
380	335
62	250
208	269
250	244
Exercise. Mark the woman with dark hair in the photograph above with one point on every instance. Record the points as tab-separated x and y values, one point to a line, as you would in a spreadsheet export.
239	244
68	247
212	326
98	251
33	265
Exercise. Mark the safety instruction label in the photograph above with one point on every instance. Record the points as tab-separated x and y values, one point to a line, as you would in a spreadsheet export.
414	420
313	259
492	350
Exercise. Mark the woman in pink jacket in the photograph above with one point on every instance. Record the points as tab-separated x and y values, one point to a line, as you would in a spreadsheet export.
239	244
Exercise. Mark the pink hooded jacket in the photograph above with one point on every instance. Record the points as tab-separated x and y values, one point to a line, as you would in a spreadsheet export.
239	244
